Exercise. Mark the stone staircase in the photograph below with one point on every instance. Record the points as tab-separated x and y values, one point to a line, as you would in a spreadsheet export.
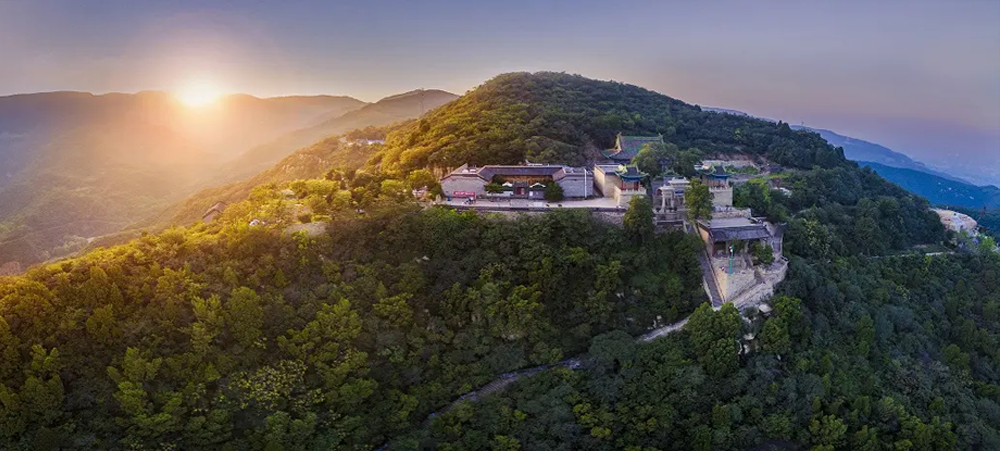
708	279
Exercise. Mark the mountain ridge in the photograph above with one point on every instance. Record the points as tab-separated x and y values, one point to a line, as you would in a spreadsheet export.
383	112
939	190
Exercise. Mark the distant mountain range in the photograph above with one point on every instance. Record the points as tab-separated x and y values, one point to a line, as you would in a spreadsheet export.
74	165
30	122
861	150
939	188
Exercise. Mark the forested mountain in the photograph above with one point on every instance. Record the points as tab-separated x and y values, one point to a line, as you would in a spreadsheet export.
359	333
323	146
396	108
938	190
559	118
238	337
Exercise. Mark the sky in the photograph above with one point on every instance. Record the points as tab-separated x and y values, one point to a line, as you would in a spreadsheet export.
920	77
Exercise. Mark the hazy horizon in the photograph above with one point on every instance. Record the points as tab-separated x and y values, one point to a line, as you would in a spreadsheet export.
921	78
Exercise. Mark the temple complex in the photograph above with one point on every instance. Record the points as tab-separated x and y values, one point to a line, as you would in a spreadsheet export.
742	261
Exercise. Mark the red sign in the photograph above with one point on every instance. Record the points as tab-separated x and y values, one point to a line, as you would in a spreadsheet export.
464	193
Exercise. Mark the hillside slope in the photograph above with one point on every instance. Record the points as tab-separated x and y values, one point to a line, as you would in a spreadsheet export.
939	190
77	165
389	110
310	162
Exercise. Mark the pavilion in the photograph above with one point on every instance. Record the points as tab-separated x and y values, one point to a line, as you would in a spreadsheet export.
619	181
717	179
720	234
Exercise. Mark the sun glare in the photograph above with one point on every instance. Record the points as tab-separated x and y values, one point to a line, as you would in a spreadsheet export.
198	93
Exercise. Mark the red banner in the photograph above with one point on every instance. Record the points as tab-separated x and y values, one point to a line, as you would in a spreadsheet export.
464	193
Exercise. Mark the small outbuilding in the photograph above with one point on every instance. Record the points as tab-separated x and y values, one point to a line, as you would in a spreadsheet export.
214	211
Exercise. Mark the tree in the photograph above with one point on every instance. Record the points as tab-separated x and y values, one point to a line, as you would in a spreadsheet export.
422	179
494	188
714	337
9	358
638	220
650	156
698	200
613	349
762	253
774	337
553	192
244	316
686	161
827	431
394	190
865	332
102	326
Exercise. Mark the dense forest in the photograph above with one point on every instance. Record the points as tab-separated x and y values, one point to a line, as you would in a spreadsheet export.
338	312
857	354
242	337
843	211
559	118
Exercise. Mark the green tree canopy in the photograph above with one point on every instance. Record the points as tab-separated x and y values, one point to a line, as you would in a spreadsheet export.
698	200
638	220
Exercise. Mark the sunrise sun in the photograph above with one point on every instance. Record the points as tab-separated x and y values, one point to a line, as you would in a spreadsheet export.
198	93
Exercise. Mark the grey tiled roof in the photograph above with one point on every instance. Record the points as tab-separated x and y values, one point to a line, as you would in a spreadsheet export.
740	233
487	172
720	230
218	207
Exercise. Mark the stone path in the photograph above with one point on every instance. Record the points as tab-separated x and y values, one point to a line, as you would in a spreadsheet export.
573	363
502	382
663	331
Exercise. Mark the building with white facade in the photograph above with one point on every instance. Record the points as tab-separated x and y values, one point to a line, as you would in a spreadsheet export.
518	181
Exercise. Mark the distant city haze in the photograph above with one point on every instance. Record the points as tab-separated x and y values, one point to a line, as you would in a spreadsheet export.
919	77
